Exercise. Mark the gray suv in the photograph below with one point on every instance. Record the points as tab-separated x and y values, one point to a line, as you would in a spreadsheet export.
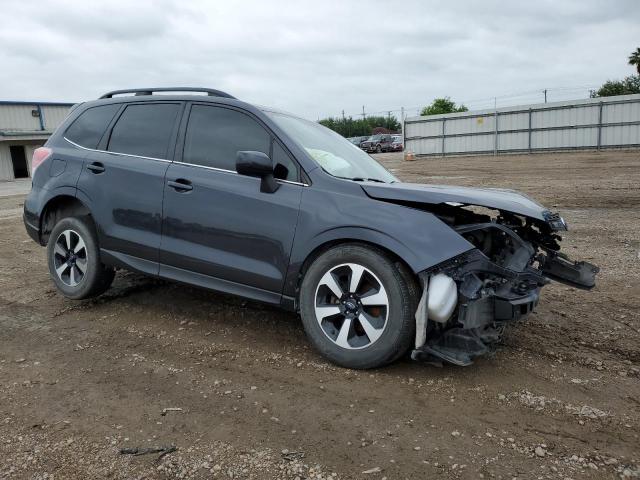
205	189
377	143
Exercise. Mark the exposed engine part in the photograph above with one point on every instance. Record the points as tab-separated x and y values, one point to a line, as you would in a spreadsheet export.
577	274
473	297
443	297
457	346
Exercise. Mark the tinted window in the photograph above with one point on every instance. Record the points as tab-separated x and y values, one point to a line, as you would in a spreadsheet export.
88	128
215	135
144	130
285	168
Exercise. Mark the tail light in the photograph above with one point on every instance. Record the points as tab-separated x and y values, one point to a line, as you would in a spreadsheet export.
39	156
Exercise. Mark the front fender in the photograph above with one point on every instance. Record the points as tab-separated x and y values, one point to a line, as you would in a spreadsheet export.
419	238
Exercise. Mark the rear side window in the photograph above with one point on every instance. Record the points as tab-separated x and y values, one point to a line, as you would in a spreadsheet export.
88	128
215	135
144	130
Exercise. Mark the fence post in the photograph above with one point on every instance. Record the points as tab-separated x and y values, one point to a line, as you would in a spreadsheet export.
495	134
600	125
444	121
530	114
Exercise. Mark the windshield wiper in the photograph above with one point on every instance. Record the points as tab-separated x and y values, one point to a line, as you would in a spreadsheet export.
361	179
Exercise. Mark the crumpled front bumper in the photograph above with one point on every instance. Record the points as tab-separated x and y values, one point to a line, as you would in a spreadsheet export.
482	313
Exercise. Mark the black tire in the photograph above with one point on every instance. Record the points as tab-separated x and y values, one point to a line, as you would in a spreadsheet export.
97	277
402	292
378	149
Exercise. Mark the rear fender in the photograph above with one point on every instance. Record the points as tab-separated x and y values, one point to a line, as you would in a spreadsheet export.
37	202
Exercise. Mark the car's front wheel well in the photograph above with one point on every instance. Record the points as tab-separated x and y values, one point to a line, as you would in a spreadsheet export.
404	268
56	209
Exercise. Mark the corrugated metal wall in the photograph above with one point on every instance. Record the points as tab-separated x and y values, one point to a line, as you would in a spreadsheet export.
54	116
19	117
6	167
593	123
19	126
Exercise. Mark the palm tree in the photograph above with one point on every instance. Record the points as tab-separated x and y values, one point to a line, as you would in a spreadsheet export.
634	59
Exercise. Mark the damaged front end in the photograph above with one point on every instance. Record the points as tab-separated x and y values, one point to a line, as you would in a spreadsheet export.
469	300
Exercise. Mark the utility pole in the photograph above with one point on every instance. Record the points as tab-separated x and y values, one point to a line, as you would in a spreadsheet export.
389	119
402	125
364	115
545	95
344	124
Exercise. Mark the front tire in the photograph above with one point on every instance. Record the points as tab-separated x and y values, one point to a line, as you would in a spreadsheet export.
378	149
74	259
357	306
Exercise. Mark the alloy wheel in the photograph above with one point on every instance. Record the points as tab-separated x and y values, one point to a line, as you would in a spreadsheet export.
70	258
351	306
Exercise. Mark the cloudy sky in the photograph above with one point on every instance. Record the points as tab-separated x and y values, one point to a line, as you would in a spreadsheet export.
317	58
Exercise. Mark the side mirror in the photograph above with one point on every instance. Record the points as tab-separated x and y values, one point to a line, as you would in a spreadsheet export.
257	164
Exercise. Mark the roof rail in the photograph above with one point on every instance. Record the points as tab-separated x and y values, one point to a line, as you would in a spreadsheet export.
149	91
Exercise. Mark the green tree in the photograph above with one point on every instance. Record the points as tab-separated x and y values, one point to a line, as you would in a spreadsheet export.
634	59
349	127
442	105
627	86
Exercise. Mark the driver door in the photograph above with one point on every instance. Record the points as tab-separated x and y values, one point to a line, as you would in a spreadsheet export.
219	230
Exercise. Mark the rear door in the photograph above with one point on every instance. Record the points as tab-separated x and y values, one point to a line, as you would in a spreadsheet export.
219	230
124	181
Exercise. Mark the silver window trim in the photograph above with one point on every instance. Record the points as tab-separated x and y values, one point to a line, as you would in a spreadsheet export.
223	170
115	153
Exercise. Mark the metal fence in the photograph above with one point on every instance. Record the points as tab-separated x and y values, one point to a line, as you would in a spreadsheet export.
598	123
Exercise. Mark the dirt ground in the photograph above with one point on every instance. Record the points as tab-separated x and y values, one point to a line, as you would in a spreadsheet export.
559	399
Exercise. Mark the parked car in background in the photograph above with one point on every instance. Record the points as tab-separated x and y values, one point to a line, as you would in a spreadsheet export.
396	144
377	144
358	140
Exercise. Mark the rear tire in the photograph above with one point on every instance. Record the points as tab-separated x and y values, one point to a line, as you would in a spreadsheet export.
74	259
369	325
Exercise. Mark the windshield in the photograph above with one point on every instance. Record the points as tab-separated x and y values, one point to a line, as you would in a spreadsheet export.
335	154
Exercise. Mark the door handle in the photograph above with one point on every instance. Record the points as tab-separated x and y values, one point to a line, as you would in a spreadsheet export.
180	185
96	167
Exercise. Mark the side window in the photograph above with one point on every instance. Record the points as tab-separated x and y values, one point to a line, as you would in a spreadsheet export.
215	135
285	168
144	130
88	128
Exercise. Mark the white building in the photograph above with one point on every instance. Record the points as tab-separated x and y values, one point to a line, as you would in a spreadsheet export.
25	126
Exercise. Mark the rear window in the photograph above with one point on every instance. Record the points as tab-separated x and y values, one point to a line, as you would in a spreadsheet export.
144	130
88	128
